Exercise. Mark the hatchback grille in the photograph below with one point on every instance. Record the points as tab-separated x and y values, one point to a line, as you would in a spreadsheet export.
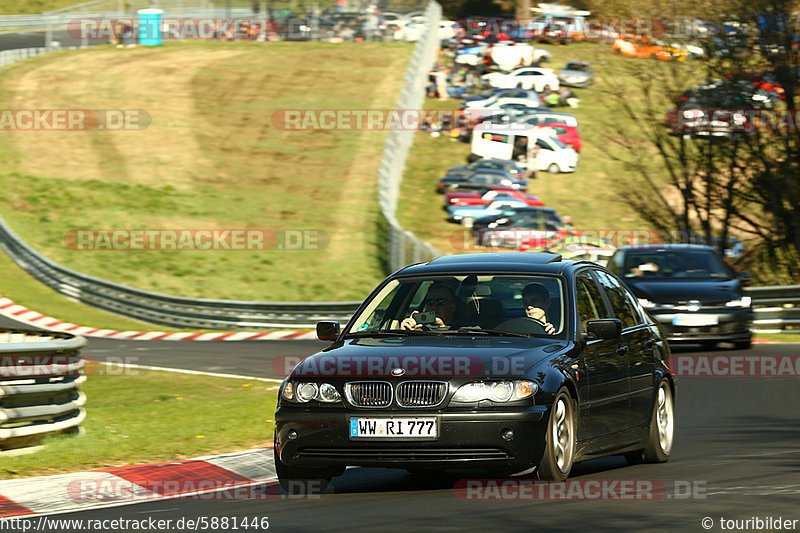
420	393
369	393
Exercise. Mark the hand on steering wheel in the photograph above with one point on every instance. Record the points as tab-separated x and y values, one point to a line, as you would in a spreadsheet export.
549	328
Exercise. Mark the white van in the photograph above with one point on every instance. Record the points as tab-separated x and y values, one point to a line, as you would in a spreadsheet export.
514	142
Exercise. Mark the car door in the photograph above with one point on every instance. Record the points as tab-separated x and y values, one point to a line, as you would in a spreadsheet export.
637	344
477	182
603	373
546	155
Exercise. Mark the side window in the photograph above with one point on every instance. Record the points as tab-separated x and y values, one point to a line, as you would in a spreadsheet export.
589	300
624	309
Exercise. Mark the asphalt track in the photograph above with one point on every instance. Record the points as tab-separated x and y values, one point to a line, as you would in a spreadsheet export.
736	456
35	39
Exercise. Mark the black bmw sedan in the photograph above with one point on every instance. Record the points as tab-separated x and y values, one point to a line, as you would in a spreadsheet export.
517	363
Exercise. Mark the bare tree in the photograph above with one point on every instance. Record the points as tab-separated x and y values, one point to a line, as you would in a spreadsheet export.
747	180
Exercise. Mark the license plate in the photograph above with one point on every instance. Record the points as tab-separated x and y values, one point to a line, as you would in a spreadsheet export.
695	320
393	428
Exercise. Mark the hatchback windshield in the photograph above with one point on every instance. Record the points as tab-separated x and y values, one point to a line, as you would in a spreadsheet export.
531	305
674	264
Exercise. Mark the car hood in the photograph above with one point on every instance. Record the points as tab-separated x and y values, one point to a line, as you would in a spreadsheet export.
431	356
682	290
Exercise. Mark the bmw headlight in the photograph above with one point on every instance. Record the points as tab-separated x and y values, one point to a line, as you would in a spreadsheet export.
328	393
304	392
288	391
744	301
495	391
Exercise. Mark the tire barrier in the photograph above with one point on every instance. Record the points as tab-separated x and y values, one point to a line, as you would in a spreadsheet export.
40	377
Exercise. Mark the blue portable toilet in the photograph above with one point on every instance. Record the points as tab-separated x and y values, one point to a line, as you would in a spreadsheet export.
150	27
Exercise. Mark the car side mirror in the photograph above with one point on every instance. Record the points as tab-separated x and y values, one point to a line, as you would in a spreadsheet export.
603	328
328	331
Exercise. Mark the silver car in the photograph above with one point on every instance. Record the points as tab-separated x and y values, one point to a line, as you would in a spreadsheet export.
576	74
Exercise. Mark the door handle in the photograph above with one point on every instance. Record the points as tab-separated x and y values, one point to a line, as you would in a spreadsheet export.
622	350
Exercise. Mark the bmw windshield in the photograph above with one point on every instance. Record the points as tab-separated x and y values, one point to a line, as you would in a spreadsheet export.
513	305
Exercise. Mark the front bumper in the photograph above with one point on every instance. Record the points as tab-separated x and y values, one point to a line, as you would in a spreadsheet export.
731	325
467	439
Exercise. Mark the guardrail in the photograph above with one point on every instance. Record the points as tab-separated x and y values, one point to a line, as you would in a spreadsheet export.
40	373
12	56
174	311
777	309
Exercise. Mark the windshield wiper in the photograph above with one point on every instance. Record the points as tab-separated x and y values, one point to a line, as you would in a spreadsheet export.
493	332
388	333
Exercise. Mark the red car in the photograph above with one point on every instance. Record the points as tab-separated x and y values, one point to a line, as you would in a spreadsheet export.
489	195
763	81
566	134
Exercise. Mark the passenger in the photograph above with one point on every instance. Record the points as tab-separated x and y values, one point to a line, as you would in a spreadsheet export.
536	301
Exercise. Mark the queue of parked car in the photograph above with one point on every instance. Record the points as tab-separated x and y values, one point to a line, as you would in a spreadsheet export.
508	116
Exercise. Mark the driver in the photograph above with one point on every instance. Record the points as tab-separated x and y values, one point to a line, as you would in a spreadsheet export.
441	300
536	301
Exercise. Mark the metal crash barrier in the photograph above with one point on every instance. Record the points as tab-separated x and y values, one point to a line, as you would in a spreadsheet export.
776	309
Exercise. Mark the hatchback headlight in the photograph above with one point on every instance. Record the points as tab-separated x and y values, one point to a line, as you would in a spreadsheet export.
744	301
495	391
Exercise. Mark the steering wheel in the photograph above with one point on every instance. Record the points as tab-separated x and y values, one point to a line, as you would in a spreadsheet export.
522	324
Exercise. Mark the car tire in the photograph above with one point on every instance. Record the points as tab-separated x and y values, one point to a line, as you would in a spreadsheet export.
662	426
743	345
300	480
559	450
553	169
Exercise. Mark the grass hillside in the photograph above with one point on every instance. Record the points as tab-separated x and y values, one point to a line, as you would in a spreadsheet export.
210	159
